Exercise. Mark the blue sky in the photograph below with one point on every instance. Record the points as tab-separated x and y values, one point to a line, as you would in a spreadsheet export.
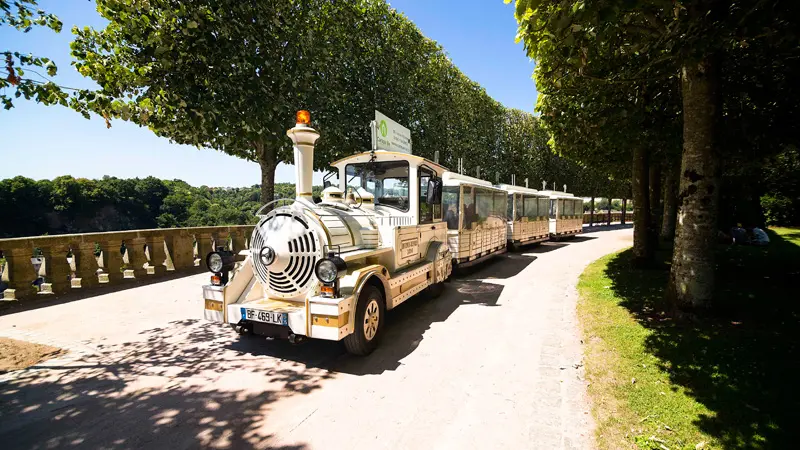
46	142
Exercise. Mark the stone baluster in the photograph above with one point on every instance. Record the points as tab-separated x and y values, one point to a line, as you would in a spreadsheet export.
57	269
238	239
86	264
112	259
20	272
204	247
155	245
181	249
136	256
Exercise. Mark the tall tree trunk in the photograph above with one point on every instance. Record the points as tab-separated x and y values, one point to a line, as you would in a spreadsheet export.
691	282
670	204
624	211
655	197
642	243
268	161
591	212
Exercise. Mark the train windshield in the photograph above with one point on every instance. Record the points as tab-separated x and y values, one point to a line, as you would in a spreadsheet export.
387	181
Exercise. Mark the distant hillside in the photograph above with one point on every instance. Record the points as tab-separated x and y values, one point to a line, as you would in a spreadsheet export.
70	205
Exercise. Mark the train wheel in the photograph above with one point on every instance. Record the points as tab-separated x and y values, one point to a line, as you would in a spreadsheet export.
369	321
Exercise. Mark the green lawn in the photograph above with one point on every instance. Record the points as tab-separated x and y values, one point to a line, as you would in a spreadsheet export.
729	381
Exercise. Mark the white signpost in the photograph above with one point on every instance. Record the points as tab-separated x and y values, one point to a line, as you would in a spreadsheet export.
389	135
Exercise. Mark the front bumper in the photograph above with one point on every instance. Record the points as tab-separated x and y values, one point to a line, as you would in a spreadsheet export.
316	317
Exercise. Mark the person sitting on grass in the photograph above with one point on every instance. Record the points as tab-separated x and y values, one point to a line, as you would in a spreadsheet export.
760	237
739	235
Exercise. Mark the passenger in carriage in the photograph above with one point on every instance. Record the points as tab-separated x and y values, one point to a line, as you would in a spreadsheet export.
451	217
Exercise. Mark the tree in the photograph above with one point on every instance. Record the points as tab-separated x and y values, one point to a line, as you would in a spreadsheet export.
640	48
19	67
222	75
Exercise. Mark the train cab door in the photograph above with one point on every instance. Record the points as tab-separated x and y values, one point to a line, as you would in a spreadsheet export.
431	227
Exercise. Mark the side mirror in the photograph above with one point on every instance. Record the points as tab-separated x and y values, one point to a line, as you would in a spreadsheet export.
434	191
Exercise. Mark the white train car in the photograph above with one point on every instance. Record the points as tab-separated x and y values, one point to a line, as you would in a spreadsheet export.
475	212
527	214
566	214
331	270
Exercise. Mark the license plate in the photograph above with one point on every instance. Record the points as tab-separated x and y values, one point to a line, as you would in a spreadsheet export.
265	316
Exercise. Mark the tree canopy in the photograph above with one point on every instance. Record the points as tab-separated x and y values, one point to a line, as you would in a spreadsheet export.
229	75
670	84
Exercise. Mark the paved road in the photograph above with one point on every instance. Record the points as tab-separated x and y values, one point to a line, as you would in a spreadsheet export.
493	363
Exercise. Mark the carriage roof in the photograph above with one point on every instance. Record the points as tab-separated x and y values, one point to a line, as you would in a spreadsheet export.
385	155
512	189
558	194
457	179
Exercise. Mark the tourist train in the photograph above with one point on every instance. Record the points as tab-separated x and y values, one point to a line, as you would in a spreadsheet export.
390	226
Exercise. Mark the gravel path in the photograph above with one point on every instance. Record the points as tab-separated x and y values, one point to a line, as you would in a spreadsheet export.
493	363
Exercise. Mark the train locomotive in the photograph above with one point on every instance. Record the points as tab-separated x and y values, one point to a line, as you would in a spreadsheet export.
394	225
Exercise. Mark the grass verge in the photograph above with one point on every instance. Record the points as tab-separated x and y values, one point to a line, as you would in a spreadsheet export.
727	381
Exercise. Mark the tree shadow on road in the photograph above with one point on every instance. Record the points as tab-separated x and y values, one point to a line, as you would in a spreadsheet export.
198	384
742	362
406	325
613	227
167	390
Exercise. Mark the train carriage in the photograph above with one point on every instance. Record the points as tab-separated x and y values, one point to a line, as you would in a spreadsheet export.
527	215
475	212
566	214
393	225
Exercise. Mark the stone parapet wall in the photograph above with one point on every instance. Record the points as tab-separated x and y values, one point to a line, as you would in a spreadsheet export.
47	265
601	218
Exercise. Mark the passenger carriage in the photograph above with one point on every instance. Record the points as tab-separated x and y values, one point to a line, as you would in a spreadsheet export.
475	212
566	214
527	215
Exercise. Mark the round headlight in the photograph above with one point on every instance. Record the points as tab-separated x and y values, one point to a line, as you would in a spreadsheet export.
214	262
326	271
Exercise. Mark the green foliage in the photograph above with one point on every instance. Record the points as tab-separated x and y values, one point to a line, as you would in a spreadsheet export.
18	68
207	74
780	210
70	205
781	182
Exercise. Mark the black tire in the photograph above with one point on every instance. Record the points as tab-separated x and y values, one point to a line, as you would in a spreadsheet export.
358	342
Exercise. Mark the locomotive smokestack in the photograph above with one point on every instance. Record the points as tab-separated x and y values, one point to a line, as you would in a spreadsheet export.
303	137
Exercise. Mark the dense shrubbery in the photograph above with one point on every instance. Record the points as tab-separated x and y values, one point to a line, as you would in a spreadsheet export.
70	205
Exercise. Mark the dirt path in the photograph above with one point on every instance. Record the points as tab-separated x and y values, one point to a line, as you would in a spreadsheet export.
495	362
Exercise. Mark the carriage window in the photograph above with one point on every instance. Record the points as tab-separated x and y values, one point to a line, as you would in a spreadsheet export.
450	203
426	211
552	208
500	202
569	208
484	204
531	207
510	210
470	215
543	205
387	181
520	208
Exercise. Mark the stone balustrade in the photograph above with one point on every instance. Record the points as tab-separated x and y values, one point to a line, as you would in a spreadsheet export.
601	217
52	265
